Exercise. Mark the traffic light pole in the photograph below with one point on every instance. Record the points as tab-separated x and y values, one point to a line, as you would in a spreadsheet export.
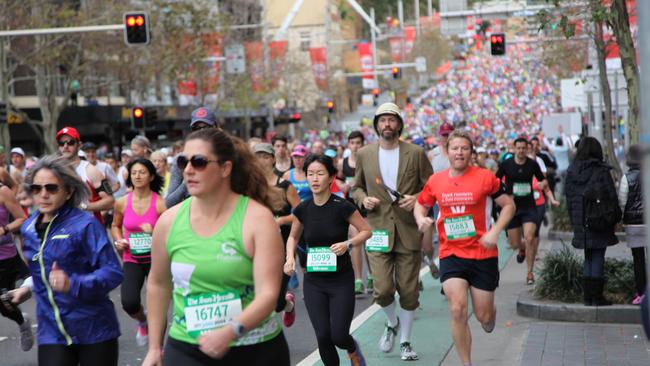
62	30
643	12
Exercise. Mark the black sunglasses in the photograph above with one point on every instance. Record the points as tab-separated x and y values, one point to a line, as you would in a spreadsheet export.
50	188
67	142
199	162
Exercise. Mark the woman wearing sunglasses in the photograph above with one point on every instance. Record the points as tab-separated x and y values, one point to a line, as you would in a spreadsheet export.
329	282
222	250
73	267
135	217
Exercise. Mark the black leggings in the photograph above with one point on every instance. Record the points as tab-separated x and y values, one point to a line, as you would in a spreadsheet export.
638	255
273	352
134	276
97	354
11	270
330	304
594	265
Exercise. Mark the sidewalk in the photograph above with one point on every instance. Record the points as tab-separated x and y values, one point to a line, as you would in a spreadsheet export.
531	342
516	340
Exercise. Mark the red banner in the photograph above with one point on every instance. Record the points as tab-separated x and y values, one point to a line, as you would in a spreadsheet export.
409	40
255	64
365	57
319	66
187	84
278	53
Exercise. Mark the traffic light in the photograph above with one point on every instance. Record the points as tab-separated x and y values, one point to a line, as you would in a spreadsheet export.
151	116
295	117
3	112
138	118
498	44
330	106
397	72
136	31
375	94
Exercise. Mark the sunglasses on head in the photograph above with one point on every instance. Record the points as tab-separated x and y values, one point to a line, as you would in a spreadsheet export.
67	142
50	188
199	162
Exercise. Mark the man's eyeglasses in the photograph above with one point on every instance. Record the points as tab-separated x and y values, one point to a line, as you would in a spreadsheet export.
199	162
67	142
50	188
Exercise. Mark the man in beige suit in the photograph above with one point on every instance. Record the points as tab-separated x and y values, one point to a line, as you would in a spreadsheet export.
389	176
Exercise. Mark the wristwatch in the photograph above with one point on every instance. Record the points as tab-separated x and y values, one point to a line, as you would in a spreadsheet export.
350	244
238	328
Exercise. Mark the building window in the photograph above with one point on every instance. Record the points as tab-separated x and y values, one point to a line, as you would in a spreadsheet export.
305	41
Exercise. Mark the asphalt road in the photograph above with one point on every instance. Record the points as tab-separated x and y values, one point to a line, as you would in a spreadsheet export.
300	336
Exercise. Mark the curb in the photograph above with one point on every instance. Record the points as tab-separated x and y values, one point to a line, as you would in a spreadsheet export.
566	235
528	306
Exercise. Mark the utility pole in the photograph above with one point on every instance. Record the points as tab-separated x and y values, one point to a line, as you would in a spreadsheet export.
267	64
373	38
400	16
643	12
4	93
417	18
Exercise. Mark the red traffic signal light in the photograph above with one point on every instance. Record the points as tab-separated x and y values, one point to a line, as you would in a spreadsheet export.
137	118
330	106
375	92
397	73
136	28
498	44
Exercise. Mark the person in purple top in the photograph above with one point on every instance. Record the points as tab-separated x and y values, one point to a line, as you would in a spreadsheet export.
12	267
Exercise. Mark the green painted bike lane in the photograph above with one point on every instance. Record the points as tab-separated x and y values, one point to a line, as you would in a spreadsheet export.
431	335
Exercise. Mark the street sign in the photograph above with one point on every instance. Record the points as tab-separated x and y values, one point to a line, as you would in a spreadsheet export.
420	64
368	83
3	112
235	59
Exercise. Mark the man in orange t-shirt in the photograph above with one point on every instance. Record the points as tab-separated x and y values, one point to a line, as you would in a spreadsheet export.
468	251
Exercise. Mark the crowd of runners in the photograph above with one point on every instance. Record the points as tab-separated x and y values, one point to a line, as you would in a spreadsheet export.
215	229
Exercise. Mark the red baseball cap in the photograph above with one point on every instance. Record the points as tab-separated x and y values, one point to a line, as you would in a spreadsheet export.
445	129
70	131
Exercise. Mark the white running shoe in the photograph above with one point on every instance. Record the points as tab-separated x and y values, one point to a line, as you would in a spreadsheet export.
26	335
387	340
407	352
142	335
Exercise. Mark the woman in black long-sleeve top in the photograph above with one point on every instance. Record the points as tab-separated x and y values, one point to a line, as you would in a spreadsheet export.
589	162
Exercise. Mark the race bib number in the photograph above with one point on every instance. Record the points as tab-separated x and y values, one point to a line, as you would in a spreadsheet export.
521	189
140	243
378	242
321	259
460	227
209	311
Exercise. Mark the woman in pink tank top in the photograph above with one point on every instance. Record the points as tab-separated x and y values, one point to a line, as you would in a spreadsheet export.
135	217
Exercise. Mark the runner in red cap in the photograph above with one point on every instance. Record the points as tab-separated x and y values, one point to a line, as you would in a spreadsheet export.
101	197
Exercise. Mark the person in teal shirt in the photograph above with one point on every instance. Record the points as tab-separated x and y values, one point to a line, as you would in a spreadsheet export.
218	257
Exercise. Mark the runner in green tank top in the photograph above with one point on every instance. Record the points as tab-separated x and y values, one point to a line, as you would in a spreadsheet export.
218	255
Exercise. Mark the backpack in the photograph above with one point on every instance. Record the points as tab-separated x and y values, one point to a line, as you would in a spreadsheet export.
601	210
